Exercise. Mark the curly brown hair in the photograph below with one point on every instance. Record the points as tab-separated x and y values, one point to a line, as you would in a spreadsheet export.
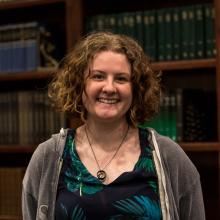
67	87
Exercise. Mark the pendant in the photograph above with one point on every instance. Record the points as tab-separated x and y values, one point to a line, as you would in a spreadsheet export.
101	175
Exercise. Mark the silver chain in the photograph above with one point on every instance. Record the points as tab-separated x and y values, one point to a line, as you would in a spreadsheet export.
119	146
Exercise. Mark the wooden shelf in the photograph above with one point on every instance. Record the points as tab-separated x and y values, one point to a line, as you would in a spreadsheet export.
26	3
14	149
168	65
200	146
10	217
39	74
184	64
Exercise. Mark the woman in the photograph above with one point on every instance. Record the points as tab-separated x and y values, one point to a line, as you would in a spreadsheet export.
109	168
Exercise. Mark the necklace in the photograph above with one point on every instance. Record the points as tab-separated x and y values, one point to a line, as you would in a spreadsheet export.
101	174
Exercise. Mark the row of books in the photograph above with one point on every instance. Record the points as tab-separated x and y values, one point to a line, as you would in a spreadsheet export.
178	33
28	46
168	121
27	118
10	190
187	115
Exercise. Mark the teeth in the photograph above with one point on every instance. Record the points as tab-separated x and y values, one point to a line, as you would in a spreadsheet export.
108	101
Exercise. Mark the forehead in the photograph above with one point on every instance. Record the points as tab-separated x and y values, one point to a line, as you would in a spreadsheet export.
110	60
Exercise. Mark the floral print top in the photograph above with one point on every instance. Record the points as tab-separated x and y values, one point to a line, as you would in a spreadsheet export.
133	195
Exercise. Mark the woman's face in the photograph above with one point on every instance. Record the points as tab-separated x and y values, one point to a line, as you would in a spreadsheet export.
108	88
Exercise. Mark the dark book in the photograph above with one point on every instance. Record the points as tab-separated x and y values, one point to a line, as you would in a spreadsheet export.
199	115
200	31
210	30
150	36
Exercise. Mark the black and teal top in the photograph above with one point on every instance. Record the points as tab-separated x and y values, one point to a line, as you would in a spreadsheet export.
133	195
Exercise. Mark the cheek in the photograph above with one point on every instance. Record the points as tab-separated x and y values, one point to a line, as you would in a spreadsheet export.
85	94
87	98
129	93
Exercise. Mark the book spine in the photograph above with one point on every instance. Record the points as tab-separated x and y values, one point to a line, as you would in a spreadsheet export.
179	114
168	23
173	116
191	32
150	35
209	30
199	31
160	34
176	33
31	47
139	27
184	33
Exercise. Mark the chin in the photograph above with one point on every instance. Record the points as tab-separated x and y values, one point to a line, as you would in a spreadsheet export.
109	118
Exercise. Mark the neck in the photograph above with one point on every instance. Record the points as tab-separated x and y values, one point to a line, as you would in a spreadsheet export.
106	134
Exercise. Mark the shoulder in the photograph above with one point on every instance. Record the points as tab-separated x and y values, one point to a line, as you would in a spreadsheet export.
176	162
168	148
182	178
52	145
46	147
44	160
46	151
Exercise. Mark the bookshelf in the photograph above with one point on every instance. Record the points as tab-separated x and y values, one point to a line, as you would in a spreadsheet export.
14	157
70	17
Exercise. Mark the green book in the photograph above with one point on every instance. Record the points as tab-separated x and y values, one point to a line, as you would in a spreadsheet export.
149	32
184	33
100	22
111	23
165	116
160	34
176	33
131	24
90	25
120	28
168	34
209	30
199	31
173	117
191	32
128	24
139	27
179	114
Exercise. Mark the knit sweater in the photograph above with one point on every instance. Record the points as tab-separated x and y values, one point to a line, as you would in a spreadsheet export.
178	180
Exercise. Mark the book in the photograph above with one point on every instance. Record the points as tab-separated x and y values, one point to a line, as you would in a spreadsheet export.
168	34
139	27
29	46
209	30
184	34
175	33
27	118
199	115
176	54
191	32
199	31
161	40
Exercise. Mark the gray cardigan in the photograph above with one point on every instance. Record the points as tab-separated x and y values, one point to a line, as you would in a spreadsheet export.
181	189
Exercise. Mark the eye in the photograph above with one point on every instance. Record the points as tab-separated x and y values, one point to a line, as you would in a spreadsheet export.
122	79
97	76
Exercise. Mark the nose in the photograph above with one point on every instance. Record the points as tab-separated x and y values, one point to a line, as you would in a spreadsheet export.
109	86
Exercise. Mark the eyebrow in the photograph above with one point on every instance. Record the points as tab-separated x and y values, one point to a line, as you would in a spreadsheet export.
100	71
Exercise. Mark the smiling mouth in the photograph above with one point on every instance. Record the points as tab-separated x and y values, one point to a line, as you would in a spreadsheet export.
108	101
